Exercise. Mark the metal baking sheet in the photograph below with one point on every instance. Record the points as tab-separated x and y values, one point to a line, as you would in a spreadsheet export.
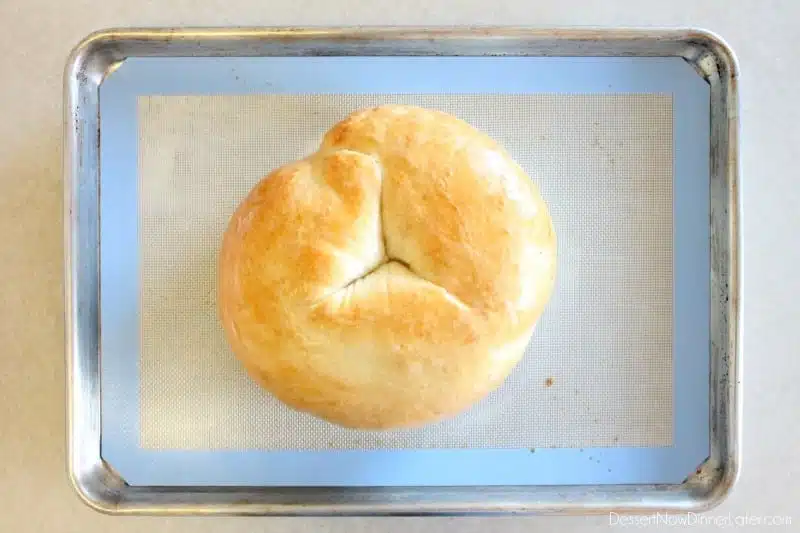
647	121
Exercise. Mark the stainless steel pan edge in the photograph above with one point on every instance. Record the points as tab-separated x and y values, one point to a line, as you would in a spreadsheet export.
101	488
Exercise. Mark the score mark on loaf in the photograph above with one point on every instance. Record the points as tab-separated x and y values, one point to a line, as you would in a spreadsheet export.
392	278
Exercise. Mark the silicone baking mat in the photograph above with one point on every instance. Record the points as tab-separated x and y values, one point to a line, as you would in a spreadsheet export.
615	389
598	372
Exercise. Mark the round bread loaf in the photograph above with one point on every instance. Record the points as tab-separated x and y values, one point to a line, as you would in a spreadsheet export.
393	277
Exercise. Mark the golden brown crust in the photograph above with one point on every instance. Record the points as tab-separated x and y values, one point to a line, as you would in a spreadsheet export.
393	277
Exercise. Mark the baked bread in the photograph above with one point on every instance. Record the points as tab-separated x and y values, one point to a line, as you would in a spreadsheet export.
392	278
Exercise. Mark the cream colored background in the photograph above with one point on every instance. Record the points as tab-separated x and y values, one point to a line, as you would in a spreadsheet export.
35	37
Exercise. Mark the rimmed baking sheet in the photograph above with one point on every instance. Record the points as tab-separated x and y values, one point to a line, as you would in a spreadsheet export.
629	396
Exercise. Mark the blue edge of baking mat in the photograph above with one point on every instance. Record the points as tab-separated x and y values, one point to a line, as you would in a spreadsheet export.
119	273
